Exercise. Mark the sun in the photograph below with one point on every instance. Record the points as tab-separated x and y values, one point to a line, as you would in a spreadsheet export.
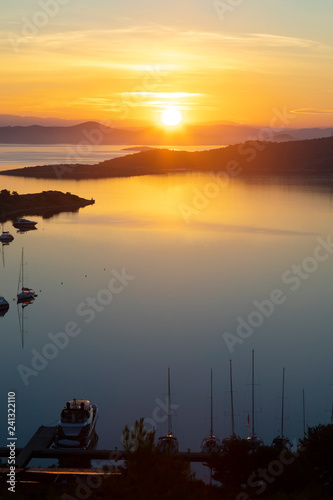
171	117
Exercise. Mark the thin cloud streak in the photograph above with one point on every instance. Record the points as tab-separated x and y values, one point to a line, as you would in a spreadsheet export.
312	111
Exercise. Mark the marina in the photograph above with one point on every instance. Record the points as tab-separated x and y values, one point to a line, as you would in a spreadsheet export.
73	324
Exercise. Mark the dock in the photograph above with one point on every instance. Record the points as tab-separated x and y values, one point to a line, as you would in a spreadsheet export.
70	458
41	440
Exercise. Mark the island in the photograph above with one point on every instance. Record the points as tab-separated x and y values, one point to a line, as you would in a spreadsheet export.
46	204
139	148
306	159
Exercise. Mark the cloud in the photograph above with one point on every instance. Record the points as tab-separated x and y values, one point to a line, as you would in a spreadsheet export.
264	40
161	95
312	111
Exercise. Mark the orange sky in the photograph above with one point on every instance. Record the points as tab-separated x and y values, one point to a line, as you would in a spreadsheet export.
128	63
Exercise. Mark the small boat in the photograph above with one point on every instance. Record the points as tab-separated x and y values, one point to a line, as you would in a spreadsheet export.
253	439
6	237
281	442
168	443
76	428
211	444
26	294
24	224
4	306
233	436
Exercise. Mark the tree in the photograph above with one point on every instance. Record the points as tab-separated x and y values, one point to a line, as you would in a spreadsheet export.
151	474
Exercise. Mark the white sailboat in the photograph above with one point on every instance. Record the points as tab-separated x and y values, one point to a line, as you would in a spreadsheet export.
26	294
169	442
211	444
281	442
253	439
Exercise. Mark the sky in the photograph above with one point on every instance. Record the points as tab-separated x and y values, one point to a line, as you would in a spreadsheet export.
124	63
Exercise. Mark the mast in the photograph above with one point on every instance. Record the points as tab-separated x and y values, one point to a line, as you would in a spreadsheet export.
211	403
232	402
169	406
20	280
282	402
303	414
253	392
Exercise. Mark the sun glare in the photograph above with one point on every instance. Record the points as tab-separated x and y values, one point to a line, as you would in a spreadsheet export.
171	117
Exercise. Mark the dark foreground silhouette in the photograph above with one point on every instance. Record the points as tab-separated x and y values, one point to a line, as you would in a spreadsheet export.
240	473
308	159
47	203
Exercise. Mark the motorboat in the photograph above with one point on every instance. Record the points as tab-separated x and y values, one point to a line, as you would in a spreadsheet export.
76	428
24	224
168	443
26	294
211	444
4	306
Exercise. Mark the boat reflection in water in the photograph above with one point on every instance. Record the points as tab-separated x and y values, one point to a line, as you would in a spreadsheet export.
76	428
168	443
21	306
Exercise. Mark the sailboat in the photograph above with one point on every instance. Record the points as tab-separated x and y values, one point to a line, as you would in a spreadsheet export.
4	306
211	444
281	442
26	294
233	436
253	439
6	237
169	442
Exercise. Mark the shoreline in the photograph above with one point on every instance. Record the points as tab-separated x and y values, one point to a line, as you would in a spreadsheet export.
45	204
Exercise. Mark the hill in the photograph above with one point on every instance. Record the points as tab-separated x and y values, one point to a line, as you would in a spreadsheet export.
296	158
94	134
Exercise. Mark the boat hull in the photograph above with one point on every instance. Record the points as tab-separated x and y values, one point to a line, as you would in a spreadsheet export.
24	224
26	295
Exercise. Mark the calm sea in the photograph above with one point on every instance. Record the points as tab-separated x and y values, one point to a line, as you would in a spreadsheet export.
22	155
161	272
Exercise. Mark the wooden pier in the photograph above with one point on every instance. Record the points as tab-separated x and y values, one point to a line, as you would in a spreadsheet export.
41	440
39	447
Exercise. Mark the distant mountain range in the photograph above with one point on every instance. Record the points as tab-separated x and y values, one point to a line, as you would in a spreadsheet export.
310	159
94	133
